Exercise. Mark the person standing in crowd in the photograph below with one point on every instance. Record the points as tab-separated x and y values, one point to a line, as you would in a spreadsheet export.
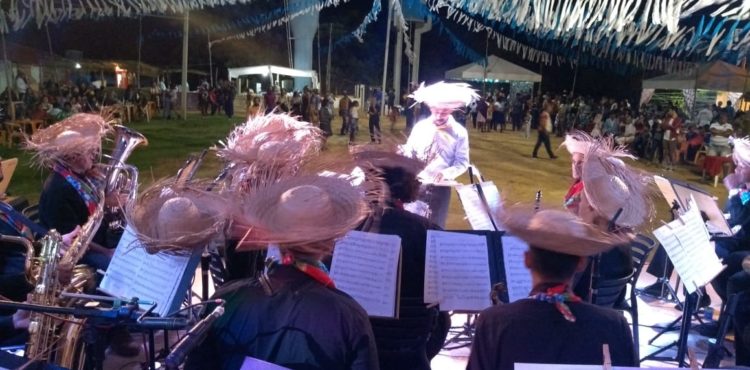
293	315
573	332
353	121
442	141
326	116
269	99
672	129
229	92
344	113
481	114
373	111
544	130
720	133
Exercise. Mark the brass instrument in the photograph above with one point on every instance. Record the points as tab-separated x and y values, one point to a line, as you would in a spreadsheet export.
42	328
48	340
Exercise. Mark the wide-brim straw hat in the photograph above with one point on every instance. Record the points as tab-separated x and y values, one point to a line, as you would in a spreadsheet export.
271	139
75	135
445	94
176	218
304	213
741	151
557	231
610	185
386	156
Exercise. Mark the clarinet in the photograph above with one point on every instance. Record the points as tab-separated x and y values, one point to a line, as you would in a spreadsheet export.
538	200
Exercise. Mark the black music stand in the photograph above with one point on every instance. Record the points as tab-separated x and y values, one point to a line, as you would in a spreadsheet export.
463	335
691	301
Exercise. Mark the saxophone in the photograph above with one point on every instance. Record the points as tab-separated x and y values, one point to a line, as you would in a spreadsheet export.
48	340
42	328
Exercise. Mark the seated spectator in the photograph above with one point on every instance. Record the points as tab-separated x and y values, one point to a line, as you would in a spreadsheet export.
720	133
553	325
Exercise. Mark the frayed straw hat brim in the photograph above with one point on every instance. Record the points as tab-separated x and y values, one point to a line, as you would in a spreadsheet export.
76	134
195	232
557	231
263	222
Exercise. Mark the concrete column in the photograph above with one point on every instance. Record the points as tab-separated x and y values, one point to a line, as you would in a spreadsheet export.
397	56
425	27
304	28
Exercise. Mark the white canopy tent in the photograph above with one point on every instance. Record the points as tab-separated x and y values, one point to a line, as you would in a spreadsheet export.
717	76
497	69
274	72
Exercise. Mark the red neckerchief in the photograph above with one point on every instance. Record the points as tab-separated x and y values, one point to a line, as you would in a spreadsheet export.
573	197
558	295
316	270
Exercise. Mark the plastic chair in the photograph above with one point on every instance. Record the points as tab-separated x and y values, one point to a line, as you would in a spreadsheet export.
608	291
402	342
703	151
640	247
32	213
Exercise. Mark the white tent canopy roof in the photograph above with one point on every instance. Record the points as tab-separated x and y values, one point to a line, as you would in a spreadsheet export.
717	76
269	69
497	69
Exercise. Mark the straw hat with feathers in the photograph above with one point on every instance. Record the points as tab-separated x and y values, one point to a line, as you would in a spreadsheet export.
453	95
557	231
176	218
303	213
269	146
386	155
611	185
77	134
741	152
579	142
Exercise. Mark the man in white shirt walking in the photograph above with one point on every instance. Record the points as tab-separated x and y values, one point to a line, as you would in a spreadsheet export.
442	142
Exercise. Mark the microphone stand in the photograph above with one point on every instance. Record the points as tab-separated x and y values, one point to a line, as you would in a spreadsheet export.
94	325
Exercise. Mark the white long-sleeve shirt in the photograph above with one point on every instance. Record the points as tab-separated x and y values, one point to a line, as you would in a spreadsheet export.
446	148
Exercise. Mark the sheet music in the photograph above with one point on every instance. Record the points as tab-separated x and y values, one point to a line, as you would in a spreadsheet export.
160	278
517	276
475	210
688	245
462	270
366	266
666	189
251	363
431	294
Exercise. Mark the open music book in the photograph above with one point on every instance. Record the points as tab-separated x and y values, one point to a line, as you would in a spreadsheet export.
520	366
687	243
461	268
479	214
367	266
160	278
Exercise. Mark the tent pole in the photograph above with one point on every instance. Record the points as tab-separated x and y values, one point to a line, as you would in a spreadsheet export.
385	59
140	43
185	35
486	61
328	61
8	76
575	74
210	61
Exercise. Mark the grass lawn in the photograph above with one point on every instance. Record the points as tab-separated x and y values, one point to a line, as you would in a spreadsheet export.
504	158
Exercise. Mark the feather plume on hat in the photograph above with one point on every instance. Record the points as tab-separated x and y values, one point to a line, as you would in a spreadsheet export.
452	95
610	185
75	135
269	146
578	142
741	152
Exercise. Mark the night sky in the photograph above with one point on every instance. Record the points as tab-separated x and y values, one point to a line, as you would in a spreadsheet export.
353	62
